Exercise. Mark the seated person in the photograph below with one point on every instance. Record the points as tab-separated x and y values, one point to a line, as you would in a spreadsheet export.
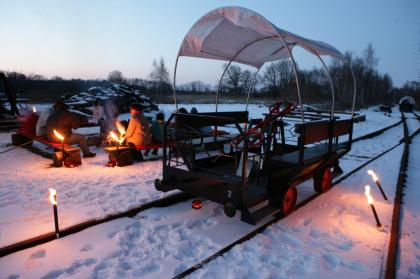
41	124
64	121
138	131
99	116
158	127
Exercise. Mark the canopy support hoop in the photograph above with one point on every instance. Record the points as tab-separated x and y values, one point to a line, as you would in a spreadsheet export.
251	87
231	60
331	83
296	78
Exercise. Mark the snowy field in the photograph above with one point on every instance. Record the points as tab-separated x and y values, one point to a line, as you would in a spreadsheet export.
324	238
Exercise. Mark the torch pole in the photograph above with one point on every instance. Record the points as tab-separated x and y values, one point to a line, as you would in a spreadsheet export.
378	223
378	183
57	230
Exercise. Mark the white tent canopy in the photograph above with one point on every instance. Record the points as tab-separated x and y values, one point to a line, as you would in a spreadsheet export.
243	36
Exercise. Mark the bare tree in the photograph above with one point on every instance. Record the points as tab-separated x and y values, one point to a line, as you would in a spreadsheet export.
116	76
160	76
369	57
277	76
236	81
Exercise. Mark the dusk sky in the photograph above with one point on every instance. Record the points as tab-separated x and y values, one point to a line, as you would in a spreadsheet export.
88	39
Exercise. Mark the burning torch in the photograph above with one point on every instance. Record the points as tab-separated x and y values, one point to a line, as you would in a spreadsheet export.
53	200
378	183
119	140
370	201
60	137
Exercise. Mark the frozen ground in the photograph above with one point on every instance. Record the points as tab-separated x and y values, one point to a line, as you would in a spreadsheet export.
156	243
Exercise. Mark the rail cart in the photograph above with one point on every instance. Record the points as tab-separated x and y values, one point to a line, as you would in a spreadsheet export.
246	164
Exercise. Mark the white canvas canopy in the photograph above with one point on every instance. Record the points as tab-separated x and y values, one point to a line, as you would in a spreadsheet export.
236	34
241	35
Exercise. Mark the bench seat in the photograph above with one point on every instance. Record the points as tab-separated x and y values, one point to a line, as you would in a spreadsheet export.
310	155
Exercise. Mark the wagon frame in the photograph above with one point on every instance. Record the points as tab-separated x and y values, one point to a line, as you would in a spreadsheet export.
230	168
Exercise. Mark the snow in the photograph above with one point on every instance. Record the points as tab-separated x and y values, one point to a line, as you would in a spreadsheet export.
88	192
412	123
320	238
332	236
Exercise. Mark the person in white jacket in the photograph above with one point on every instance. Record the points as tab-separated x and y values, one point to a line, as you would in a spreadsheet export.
99	116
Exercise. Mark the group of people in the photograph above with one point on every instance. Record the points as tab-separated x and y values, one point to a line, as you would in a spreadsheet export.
139	131
59	118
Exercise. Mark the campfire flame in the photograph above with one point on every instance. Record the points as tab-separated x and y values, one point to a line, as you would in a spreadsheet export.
58	135
368	196
373	174
53	196
120	128
34	109
114	136
121	131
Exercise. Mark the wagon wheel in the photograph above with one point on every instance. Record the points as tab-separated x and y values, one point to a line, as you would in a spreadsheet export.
323	181
288	200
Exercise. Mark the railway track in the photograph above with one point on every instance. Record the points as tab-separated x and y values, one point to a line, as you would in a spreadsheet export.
299	206
390	271
172	200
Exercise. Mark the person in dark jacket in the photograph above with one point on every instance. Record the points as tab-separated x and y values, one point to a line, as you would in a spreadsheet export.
64	122
158	127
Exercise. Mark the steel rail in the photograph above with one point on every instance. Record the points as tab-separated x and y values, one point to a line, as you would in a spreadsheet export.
390	270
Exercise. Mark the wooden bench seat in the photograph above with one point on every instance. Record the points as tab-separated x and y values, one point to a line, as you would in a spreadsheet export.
310	155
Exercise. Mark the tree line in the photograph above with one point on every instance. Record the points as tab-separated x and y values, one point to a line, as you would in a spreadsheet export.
275	81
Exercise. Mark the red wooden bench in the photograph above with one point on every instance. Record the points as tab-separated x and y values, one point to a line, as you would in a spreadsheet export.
149	146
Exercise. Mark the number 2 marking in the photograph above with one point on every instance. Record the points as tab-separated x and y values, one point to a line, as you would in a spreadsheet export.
229	195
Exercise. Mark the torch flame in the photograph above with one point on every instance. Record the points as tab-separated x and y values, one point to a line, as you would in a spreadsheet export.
120	128
114	136
53	196
373	174
58	135
34	109
368	196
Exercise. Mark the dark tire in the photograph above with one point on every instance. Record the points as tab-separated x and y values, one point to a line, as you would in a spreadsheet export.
288	200
158	185
229	209
323	181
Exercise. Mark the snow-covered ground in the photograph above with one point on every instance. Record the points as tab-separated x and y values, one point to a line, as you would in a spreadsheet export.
334	234
88	192
160	242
